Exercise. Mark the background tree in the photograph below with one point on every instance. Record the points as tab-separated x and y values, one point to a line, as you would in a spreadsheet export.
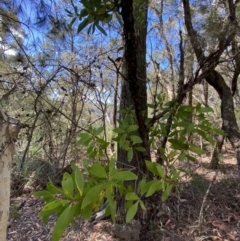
223	39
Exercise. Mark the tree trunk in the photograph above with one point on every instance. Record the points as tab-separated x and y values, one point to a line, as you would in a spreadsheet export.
134	90
215	158
8	133
217	150
229	125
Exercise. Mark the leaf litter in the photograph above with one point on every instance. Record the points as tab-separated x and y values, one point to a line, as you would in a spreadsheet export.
177	219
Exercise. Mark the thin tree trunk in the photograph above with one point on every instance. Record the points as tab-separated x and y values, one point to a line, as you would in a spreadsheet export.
8	133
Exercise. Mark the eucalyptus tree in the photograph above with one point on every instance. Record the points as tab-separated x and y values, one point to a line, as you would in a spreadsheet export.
214	47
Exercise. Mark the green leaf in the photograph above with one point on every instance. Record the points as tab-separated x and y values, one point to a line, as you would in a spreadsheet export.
132	196
86	3
92	195
219	131
190	158
98	131
200	132
182	157
176	144
126	145
83	13
175	174
112	207
101	10
84	137
93	28
160	170
98	171
101	29
78	178
196	149
63	221
72	21
112	164
86	212
69	12
186	108
132	128
53	189
156	186
167	192
173	154
142	205
210	139
182	123
90	149
198	107
151	167
141	184
50	207
152	106
130	154
118	130
141	149
124	176
82	25
122	140
54	206
190	128
67	185
76	10
45	194
108	18
205	110
136	139
132	212
145	187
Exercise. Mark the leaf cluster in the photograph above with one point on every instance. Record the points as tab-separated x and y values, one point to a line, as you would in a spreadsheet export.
188	123
127	134
93	13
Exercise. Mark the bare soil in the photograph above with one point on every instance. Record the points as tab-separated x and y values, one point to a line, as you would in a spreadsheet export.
217	193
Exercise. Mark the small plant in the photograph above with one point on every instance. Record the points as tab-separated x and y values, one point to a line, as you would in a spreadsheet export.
83	192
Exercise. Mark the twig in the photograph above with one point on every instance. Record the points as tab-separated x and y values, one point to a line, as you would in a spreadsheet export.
204	201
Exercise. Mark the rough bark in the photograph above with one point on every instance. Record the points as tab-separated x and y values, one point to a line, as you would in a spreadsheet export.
8	133
134	91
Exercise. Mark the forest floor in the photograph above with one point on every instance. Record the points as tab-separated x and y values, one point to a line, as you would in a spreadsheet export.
178	219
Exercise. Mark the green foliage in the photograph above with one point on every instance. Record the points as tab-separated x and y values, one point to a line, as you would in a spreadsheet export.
188	122
127	134
96	145
93	13
82	194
